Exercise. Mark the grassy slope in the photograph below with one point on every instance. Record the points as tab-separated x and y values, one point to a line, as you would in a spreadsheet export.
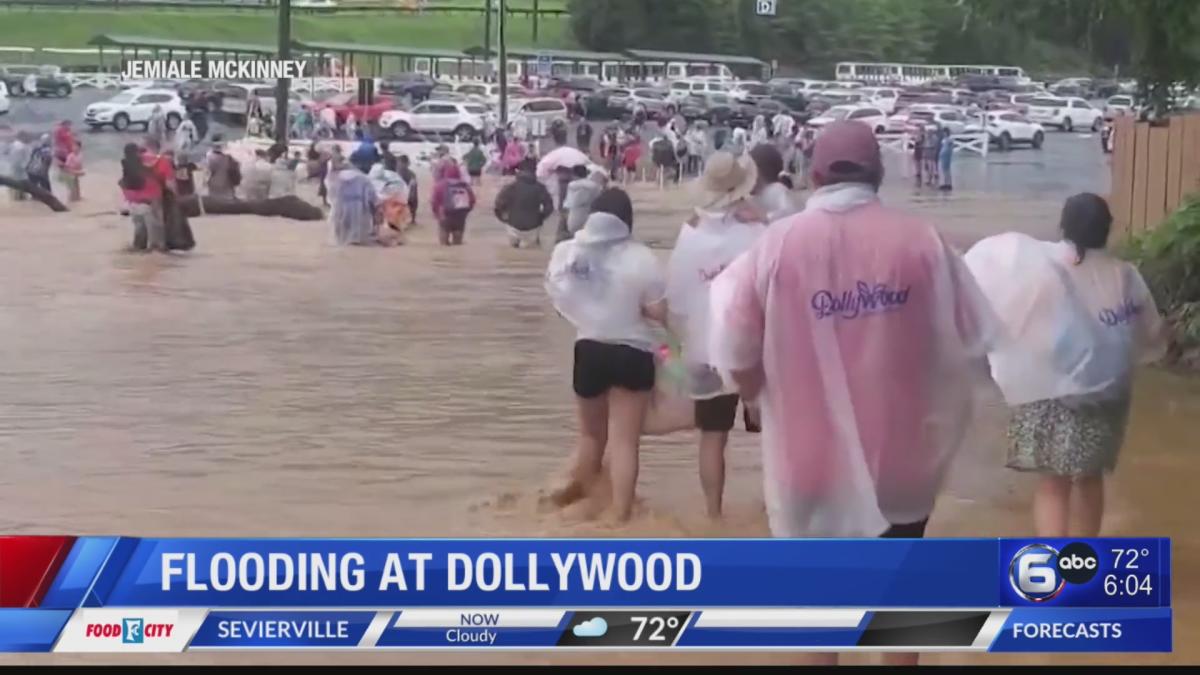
67	28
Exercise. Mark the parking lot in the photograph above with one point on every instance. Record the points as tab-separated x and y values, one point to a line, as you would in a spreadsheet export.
1068	162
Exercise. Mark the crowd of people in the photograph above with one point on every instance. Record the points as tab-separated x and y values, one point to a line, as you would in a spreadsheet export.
862	377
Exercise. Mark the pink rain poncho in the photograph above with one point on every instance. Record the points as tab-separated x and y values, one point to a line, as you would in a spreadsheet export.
1071	332
872	336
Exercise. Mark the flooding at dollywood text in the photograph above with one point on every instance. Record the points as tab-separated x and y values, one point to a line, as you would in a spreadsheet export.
271	384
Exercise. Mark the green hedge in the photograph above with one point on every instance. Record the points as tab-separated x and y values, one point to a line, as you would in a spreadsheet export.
1169	259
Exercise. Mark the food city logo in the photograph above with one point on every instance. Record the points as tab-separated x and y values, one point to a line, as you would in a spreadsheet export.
131	631
1039	572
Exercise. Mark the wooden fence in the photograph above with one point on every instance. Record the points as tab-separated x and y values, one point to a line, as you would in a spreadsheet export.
1153	169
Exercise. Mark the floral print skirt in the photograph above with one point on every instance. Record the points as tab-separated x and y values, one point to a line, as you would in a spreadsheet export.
1054	438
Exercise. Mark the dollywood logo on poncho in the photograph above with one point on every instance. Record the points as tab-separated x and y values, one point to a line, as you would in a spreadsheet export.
1122	314
865	299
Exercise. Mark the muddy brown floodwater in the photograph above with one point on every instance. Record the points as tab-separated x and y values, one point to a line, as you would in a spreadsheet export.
270	384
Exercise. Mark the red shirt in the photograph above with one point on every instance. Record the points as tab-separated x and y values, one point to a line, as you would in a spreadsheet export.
161	167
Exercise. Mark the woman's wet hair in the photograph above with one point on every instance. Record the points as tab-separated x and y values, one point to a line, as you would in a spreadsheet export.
133	171
1086	222
615	201
769	162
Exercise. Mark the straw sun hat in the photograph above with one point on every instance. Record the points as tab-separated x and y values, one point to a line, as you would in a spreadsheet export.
726	180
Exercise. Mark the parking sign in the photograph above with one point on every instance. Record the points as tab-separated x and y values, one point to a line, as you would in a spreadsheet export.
765	7
544	68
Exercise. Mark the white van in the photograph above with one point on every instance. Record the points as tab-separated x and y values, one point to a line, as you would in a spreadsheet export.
681	89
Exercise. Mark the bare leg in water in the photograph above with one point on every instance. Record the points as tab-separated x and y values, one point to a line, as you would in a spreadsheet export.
610	423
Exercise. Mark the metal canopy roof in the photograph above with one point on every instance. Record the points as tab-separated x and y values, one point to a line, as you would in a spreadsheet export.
652	55
384	50
557	54
141	41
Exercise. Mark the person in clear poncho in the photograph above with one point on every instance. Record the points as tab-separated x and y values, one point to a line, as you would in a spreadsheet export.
727	224
1077	320
612	289
861	336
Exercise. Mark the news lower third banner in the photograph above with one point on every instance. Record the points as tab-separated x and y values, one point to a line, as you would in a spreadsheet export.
120	594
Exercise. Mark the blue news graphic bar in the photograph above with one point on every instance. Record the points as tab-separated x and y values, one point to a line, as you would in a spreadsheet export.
31	630
1046	629
248	629
566	573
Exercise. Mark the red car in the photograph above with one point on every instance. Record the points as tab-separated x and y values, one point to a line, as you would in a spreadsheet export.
344	104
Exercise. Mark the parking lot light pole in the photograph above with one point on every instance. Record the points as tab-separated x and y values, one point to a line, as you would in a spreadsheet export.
502	45
282	85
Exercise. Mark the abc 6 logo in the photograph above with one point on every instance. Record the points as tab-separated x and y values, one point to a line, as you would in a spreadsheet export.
1039	572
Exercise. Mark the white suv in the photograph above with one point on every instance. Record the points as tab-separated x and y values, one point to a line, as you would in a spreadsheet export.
868	115
135	106
464	119
1007	129
1067	114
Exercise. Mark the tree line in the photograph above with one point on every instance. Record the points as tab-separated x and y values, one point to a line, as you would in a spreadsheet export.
1053	37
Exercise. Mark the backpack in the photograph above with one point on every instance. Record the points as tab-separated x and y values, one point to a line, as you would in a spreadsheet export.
39	162
458	198
235	172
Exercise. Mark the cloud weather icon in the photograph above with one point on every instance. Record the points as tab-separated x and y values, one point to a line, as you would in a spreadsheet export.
594	627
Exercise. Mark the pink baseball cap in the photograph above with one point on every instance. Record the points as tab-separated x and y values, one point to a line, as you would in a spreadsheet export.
847	150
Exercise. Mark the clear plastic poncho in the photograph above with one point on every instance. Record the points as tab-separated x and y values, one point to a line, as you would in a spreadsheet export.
600	280
870	336
1072	332
701	252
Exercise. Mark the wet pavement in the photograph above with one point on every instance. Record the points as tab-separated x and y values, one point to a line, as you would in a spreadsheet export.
272	384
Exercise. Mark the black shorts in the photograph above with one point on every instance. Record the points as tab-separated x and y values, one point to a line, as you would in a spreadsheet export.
474	173
600	366
910	531
719	414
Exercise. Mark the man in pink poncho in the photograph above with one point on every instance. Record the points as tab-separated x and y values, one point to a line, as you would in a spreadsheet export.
863	336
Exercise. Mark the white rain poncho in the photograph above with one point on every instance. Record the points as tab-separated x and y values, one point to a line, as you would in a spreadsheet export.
1071	332
871	335
701	252
601	279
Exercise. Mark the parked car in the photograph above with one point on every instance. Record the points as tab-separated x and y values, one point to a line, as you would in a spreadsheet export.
466	120
50	80
344	104
655	102
825	100
4	103
1073	86
573	85
869	115
1006	129
266	99
942	115
606	103
884	98
149	84
1070	91
1105	88
134	106
235	97
716	108
680	89
417	86
1066	114
791	97
749	91
1118	105
545	110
